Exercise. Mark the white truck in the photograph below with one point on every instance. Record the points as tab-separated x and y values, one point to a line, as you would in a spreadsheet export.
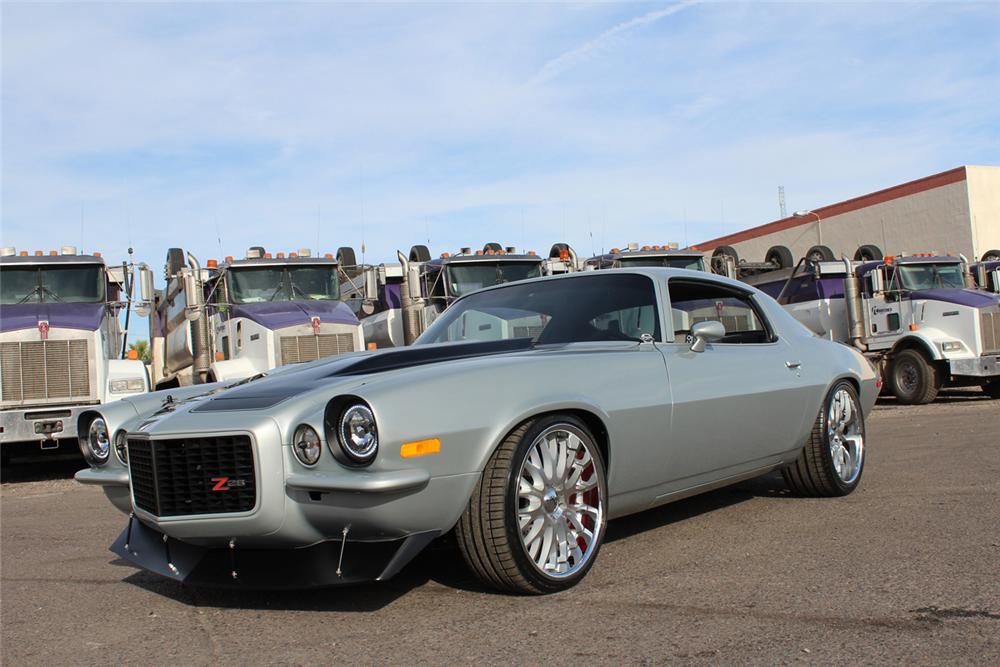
918	318
245	316
631	255
62	347
397	301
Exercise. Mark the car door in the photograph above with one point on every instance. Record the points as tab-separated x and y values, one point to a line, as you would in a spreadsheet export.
738	404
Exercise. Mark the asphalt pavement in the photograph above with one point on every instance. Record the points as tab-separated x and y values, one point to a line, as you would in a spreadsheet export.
905	571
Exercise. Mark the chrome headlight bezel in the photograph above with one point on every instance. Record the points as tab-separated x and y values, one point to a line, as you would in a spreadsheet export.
357	433
306	445
98	440
121	446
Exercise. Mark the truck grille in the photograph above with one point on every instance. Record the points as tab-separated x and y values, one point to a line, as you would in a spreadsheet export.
44	369
213	475
296	349
524	332
990	331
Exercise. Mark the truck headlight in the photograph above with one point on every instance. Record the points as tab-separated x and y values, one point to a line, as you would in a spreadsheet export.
951	346
126	386
98	441
306	445
358	434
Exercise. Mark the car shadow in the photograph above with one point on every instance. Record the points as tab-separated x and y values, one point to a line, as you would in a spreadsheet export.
438	569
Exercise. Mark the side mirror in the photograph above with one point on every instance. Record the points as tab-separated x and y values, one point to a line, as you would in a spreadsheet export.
413	280
143	305
703	332
191	296
877	283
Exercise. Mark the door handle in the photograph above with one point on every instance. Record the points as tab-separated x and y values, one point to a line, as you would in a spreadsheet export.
793	365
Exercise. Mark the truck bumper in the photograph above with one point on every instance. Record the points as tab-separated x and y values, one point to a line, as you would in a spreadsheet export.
41	424
986	366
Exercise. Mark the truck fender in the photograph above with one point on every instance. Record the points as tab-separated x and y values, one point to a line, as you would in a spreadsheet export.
923	340
233	369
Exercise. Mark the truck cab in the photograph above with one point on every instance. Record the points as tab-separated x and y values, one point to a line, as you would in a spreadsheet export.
62	347
632	256
245	316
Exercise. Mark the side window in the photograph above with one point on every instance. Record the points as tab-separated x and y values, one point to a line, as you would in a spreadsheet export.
693	302
435	288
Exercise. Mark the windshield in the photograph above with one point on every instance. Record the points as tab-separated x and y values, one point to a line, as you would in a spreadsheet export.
277	283
693	263
930	276
590	307
65	284
465	278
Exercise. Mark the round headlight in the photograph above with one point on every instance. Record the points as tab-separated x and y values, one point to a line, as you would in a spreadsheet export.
121	447
98	440
357	434
305	444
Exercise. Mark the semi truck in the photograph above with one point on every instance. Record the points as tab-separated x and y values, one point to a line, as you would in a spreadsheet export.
631	255
918	318
397	301
62	346
235	319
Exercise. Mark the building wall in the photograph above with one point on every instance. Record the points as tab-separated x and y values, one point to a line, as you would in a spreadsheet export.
984	204
948	213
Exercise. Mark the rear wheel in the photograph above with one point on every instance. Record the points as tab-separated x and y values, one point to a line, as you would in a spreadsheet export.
537	518
780	256
915	380
834	458
991	256
867	253
820	253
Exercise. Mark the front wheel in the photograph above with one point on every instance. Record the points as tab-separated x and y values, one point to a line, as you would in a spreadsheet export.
834	458
537	518
915	380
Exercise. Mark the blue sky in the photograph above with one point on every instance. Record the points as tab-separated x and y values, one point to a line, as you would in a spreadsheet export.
288	124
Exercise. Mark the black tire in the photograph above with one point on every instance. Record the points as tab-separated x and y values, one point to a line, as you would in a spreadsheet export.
346	257
914	379
868	253
991	256
780	256
820	253
489	532
175	260
833	460
727	250
992	389
420	253
495	247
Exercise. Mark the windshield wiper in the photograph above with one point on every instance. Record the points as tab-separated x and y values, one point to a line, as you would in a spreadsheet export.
55	296
281	287
500	279
33	292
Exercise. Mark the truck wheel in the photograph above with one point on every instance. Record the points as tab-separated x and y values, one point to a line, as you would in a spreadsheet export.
537	518
915	381
495	247
718	258
992	389
868	253
175	260
991	256
820	253
780	256
420	253
834	458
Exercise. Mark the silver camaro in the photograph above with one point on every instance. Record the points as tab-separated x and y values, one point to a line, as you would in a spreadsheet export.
524	419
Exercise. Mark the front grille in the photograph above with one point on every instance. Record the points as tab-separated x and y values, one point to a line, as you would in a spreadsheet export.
990	331
190	476
296	349
524	332
45	369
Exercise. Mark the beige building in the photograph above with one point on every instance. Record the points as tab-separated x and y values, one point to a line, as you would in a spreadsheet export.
955	212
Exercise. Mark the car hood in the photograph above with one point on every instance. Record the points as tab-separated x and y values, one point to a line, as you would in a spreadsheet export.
264	392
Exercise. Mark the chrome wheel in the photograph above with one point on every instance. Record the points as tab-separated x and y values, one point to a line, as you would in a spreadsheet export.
907	377
846	435
560	504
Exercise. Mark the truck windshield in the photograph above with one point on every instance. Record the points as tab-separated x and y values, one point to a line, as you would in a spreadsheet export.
64	284
692	263
465	278
278	283
930	276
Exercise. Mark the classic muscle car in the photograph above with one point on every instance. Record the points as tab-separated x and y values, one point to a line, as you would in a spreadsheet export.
524	419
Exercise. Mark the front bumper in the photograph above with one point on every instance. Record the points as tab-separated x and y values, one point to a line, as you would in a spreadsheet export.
325	564
986	366
42	423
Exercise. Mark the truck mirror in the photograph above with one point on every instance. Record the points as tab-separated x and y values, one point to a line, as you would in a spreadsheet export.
875	278
145	283
371	288
190	296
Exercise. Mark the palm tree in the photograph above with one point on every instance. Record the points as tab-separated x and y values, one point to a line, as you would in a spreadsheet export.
142	347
